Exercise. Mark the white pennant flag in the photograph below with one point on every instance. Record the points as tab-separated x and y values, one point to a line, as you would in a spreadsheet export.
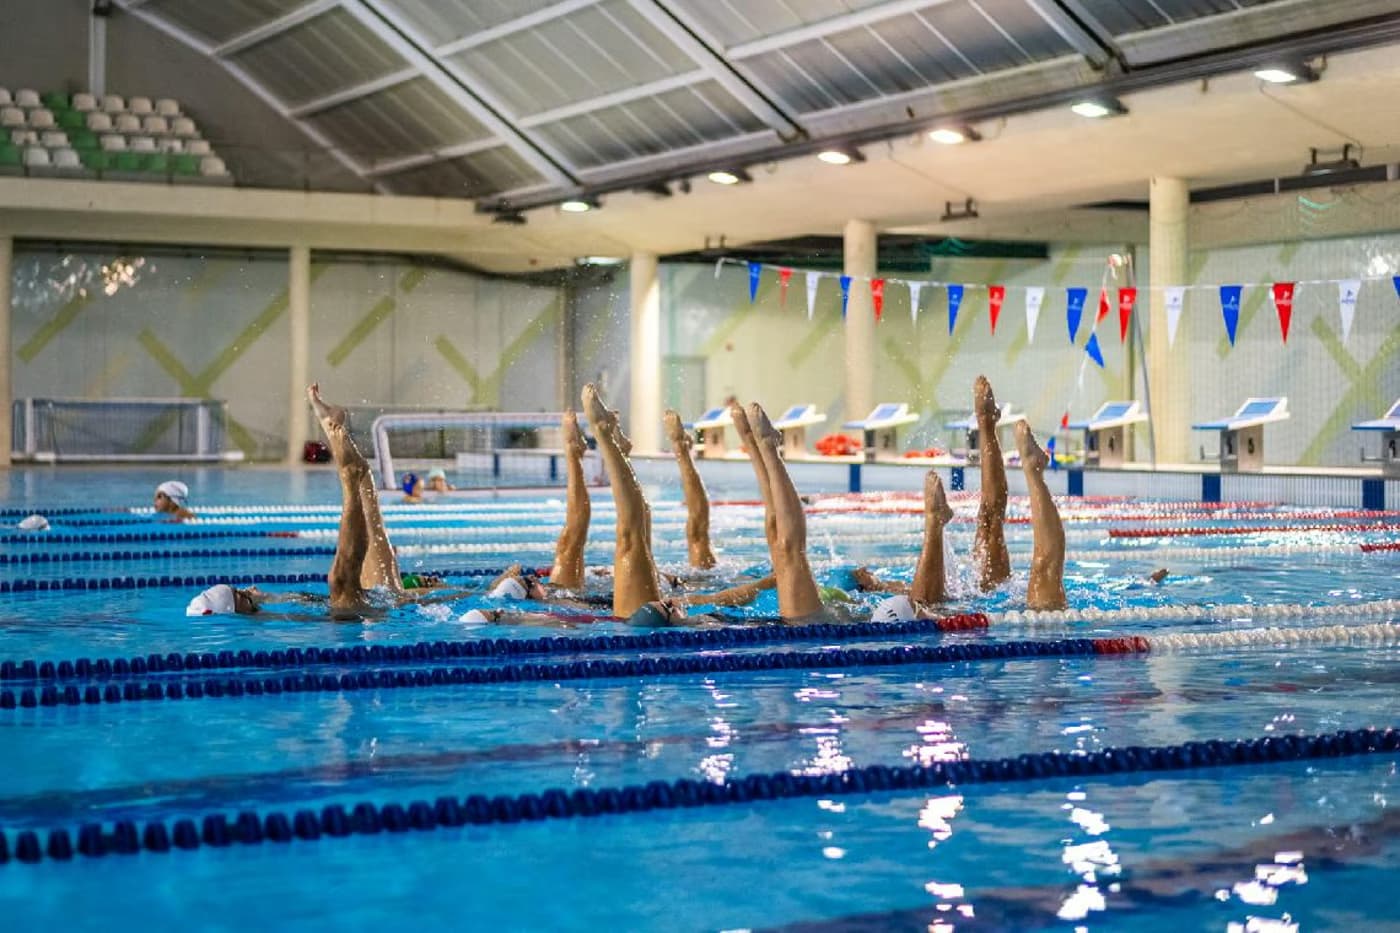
914	289
1348	289
812	279
1176	297
1035	297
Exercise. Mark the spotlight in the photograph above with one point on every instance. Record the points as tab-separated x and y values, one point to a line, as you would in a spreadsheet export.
1285	73
729	176
1096	108
841	155
578	205
954	135
509	218
1344	162
965	211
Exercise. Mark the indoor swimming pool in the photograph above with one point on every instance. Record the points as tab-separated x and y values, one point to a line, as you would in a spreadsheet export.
1192	754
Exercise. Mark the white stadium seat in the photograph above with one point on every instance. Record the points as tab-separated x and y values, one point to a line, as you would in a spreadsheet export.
127	123
113	143
99	122
41	118
167	107
171	144
11	116
198	147
27	97
113	103
140	106
142	144
84	103
212	167
183	126
156	126
5	98
24	137
67	158
36	157
54	139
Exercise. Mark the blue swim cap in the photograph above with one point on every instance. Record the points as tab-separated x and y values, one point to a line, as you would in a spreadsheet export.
409	481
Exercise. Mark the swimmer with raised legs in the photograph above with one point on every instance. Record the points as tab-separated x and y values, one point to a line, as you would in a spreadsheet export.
697	501
1046	588
930	581
989	544
567	572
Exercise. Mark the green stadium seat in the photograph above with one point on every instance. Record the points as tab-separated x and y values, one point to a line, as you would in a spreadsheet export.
83	139
55	100
156	162
127	162
186	164
9	155
95	159
71	120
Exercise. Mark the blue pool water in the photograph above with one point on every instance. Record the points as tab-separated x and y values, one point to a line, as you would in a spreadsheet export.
1281	845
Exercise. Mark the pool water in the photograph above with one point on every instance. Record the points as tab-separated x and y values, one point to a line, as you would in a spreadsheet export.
1291	844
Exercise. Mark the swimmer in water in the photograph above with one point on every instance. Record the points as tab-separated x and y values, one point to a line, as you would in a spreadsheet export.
437	481
412	488
989	544
567	571
930	580
171	496
697	501
1046	587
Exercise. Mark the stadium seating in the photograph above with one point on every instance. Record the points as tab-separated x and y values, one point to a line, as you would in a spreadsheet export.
108	136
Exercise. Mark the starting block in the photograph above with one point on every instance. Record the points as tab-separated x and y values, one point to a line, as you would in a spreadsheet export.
1242	434
711	426
1106	433
1389	426
881	427
794	424
1009	416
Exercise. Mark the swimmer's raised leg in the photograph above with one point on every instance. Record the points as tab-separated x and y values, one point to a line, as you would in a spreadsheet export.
634	570
989	545
930	581
353	542
798	597
1046	589
567	571
760	470
697	502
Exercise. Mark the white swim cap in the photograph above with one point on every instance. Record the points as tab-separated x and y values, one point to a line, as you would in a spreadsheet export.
894	609
474	617
437	474
175	491
34	523
509	588
215	601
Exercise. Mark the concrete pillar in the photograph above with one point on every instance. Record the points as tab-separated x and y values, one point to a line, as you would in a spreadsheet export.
97	55
6	387
860	258
1168	372
644	425
299	345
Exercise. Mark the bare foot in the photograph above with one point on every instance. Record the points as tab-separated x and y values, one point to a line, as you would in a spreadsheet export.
675	431
984	403
573	438
742	427
936	500
1032	457
763	428
332	417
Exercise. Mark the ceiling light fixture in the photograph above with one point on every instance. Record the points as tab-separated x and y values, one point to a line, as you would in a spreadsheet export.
578	205
965	211
954	135
1285	73
509	218
841	155
1096	108
729	176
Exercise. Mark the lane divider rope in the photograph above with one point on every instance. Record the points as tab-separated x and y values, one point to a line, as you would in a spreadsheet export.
1247	530
220	830
203	579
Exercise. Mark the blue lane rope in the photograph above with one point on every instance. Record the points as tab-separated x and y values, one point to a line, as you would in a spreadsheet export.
768	631
122	537
76	556
219	830
203	579
662	666
16	512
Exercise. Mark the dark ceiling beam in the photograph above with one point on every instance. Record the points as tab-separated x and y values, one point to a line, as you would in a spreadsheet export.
1085	34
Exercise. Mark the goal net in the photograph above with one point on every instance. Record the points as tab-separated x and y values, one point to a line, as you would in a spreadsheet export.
125	429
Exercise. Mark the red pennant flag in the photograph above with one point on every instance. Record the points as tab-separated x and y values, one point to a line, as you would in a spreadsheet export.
1103	306
1283	301
1064	421
784	277
996	294
877	296
1126	298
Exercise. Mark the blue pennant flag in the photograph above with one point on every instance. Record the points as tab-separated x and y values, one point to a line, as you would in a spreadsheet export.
1050	452
1230	307
1075	310
1092	348
955	297
845	294
1396	280
755	270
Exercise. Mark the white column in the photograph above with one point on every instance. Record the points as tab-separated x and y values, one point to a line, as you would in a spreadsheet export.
6	388
299	347
859	248
97	55
1168	370
644	425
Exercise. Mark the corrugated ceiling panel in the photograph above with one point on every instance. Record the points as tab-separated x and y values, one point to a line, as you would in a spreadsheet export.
477	175
325	54
976	37
219	22
575	58
1126	16
733	22
445	20
410	118
1028	29
680	118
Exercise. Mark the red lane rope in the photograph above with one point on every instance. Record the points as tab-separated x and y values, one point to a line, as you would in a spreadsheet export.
1387	546
1242	530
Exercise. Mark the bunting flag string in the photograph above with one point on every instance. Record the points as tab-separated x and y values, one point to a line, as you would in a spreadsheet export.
1035	297
914	289
755	273
1074	309
1126	298
1230	308
845	294
1103	306
955	297
1092	348
1348	289
1176	299
1283	303
996	294
813	280
877	297
784	277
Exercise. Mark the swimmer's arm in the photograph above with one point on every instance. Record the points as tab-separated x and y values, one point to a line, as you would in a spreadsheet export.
740	595
869	583
426	595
